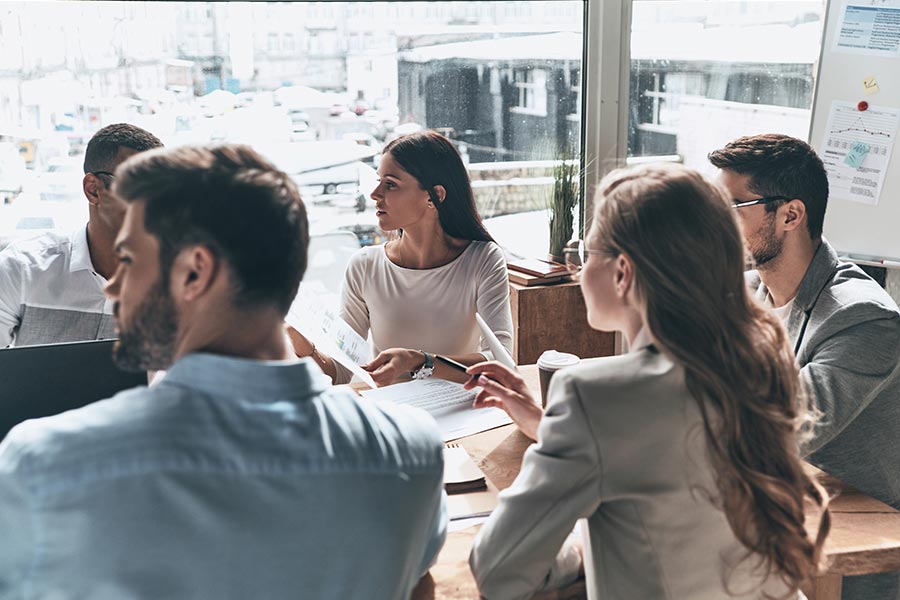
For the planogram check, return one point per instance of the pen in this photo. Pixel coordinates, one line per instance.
(456, 365)
(452, 363)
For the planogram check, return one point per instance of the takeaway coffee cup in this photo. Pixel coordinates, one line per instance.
(549, 363)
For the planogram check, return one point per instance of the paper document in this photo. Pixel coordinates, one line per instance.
(497, 349)
(472, 505)
(447, 402)
(871, 28)
(314, 313)
(857, 150)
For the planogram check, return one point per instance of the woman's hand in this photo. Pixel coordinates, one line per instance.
(394, 363)
(302, 346)
(503, 388)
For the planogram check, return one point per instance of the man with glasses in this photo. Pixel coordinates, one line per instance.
(844, 327)
(51, 286)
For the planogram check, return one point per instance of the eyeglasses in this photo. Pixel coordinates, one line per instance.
(743, 203)
(577, 255)
(104, 173)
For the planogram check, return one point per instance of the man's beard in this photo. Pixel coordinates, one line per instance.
(768, 246)
(148, 344)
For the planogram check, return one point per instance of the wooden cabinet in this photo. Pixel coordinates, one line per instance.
(552, 317)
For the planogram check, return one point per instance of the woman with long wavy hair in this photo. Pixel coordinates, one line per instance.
(682, 455)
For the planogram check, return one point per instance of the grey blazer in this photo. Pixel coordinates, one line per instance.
(845, 331)
(621, 446)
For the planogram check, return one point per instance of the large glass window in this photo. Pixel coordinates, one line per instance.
(703, 73)
(318, 87)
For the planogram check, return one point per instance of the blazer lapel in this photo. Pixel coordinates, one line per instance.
(818, 276)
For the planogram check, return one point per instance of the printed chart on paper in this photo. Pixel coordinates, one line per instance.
(857, 150)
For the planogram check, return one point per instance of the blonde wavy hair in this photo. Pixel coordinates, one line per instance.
(680, 233)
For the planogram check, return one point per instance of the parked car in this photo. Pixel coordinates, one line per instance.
(325, 167)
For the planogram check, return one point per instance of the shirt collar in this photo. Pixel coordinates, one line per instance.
(641, 340)
(219, 375)
(80, 259)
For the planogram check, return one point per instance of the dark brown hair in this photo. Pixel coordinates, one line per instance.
(433, 160)
(231, 200)
(680, 233)
(104, 145)
(779, 165)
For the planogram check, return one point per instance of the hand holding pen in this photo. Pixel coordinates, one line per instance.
(503, 388)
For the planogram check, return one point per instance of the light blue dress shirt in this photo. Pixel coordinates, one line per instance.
(231, 478)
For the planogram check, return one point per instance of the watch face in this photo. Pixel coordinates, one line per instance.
(423, 373)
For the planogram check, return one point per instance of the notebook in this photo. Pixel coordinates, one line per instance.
(461, 474)
(530, 280)
(469, 494)
(537, 267)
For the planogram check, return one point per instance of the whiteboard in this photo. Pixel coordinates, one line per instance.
(855, 223)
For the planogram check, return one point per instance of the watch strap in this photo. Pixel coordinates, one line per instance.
(426, 369)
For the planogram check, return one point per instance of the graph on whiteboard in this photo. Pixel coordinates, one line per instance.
(857, 150)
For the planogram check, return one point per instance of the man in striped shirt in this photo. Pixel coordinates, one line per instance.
(51, 286)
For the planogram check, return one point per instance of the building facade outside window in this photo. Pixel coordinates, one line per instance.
(317, 87)
(320, 87)
(701, 74)
(532, 87)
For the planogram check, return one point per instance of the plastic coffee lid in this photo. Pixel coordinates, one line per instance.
(552, 360)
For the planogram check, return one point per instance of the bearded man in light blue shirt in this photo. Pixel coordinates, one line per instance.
(242, 474)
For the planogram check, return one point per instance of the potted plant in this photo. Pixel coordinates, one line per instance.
(563, 199)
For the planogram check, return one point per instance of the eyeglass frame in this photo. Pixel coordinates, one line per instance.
(107, 173)
(581, 251)
(742, 203)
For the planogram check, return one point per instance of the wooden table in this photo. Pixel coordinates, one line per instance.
(864, 538)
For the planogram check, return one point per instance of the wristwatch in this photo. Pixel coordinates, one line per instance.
(425, 370)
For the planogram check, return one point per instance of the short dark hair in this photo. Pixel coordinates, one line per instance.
(779, 165)
(433, 160)
(231, 200)
(104, 145)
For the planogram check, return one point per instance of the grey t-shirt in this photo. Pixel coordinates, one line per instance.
(50, 293)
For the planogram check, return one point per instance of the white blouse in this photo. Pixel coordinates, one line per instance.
(428, 309)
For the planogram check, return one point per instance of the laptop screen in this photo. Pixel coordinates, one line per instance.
(38, 381)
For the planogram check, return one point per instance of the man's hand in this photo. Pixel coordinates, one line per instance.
(503, 388)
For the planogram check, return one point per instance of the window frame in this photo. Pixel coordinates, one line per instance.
(606, 74)
(532, 91)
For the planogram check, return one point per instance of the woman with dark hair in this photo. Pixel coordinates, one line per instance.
(418, 294)
(682, 456)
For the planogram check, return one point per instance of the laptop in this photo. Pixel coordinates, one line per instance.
(38, 381)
